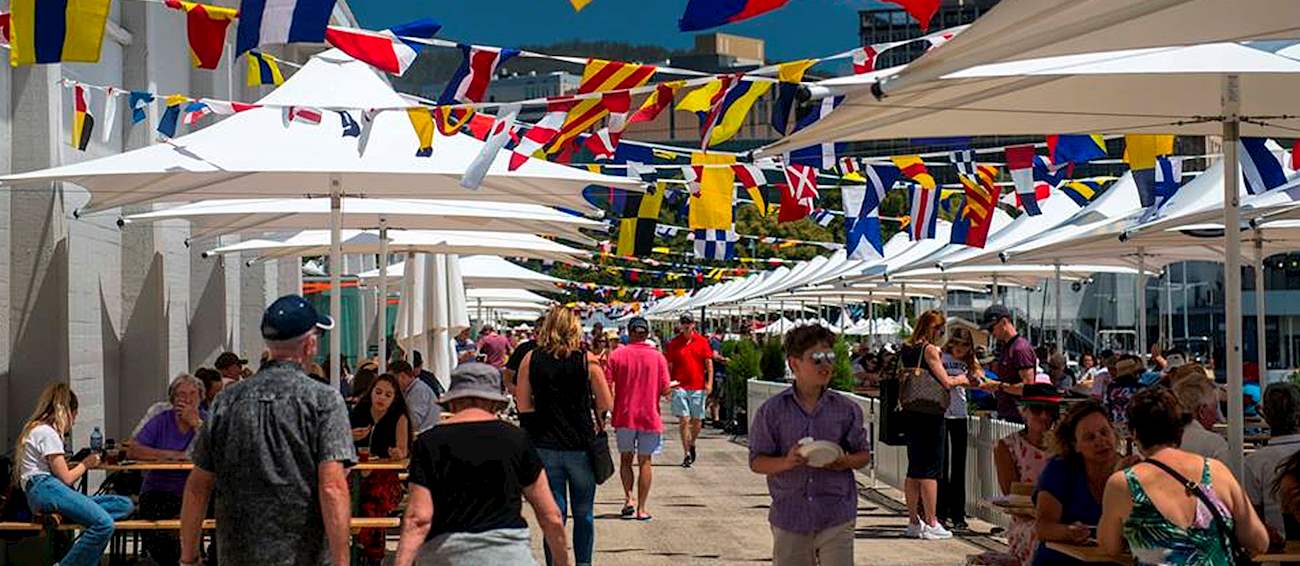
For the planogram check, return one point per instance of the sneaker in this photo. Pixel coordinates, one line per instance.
(692, 454)
(959, 525)
(913, 530)
(686, 462)
(936, 532)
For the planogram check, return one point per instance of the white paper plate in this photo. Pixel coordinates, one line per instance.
(820, 452)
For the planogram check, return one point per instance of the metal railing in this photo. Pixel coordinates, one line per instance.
(889, 463)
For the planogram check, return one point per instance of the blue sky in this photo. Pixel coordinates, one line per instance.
(803, 28)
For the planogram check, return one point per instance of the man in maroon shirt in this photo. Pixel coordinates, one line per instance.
(690, 363)
(494, 347)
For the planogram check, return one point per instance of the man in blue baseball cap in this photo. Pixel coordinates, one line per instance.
(276, 447)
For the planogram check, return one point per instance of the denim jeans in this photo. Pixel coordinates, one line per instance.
(46, 494)
(572, 482)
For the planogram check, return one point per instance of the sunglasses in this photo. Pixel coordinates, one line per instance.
(822, 358)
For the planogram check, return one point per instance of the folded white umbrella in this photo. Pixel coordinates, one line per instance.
(220, 217)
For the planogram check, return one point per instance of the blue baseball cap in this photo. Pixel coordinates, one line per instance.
(638, 323)
(292, 316)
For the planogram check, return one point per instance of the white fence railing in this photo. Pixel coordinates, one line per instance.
(889, 463)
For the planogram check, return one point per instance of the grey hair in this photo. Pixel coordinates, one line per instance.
(291, 344)
(1195, 392)
(183, 379)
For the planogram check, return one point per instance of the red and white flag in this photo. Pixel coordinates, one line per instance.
(803, 184)
(749, 175)
(603, 143)
(302, 114)
(542, 132)
(864, 59)
(227, 107)
(497, 137)
(384, 50)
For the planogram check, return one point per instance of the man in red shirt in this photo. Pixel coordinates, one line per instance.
(690, 362)
(640, 376)
(494, 347)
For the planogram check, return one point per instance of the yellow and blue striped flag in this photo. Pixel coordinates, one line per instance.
(263, 70)
(56, 31)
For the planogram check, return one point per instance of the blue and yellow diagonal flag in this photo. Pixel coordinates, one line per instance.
(56, 31)
(735, 108)
(263, 70)
(1084, 191)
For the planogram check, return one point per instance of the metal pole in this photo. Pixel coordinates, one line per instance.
(336, 279)
(945, 297)
(409, 300)
(1141, 290)
(1169, 307)
(1231, 98)
(871, 318)
(995, 288)
(843, 314)
(1261, 353)
(1060, 330)
(1187, 333)
(383, 295)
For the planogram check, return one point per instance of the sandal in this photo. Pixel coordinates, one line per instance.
(628, 512)
(645, 517)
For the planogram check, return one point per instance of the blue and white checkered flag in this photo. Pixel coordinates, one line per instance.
(715, 244)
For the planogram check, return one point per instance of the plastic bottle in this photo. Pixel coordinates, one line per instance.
(96, 440)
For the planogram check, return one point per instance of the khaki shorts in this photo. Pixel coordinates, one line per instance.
(828, 547)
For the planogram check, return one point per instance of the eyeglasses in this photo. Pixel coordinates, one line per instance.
(825, 357)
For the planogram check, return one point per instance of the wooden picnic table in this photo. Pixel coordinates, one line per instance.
(185, 466)
(1290, 553)
(1089, 553)
(1018, 505)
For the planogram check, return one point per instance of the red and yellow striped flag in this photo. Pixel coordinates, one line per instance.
(913, 168)
(599, 76)
(206, 26)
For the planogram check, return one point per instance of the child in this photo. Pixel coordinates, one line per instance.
(45, 477)
(813, 509)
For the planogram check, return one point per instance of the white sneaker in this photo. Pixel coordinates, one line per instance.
(914, 530)
(936, 532)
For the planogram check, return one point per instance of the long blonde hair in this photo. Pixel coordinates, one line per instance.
(56, 407)
(963, 335)
(560, 333)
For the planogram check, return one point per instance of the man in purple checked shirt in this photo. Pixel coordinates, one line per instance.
(813, 509)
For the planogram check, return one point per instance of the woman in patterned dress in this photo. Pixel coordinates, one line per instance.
(1020, 458)
(1163, 522)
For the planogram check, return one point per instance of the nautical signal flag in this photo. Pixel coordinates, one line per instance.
(497, 137)
(861, 224)
(392, 50)
(172, 115)
(1169, 178)
(541, 133)
(1049, 174)
(604, 143)
(1140, 151)
(880, 179)
(711, 207)
(970, 226)
(598, 76)
(718, 245)
(639, 219)
(799, 197)
(913, 168)
(470, 81)
(735, 107)
(83, 123)
(658, 100)
(706, 14)
(1075, 148)
(921, 10)
(1260, 167)
(56, 31)
(139, 103)
(422, 122)
(1020, 161)
(1084, 191)
(205, 26)
(864, 59)
(789, 76)
(752, 178)
(263, 70)
(924, 212)
(266, 22)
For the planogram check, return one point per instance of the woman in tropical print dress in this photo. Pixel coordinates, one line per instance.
(1020, 458)
(1153, 512)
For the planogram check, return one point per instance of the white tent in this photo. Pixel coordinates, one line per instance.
(497, 296)
(316, 242)
(220, 217)
(1055, 210)
(256, 153)
(483, 272)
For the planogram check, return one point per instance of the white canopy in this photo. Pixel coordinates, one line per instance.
(1021, 274)
(432, 309)
(220, 217)
(482, 272)
(1055, 209)
(1153, 90)
(490, 297)
(256, 154)
(316, 242)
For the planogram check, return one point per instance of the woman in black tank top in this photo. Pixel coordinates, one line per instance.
(560, 394)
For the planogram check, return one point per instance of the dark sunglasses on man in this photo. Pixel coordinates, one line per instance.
(825, 357)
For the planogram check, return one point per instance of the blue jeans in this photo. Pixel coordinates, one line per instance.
(572, 481)
(46, 494)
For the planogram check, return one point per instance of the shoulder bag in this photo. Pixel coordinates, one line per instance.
(921, 395)
(892, 423)
(1240, 557)
(602, 462)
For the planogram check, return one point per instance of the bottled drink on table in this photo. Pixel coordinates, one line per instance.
(96, 440)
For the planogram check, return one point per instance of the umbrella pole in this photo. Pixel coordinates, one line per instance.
(409, 301)
(1060, 333)
(336, 279)
(871, 319)
(1261, 353)
(383, 295)
(902, 302)
(1231, 98)
(945, 297)
(995, 288)
(1141, 290)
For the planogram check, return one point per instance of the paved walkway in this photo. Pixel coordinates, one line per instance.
(716, 513)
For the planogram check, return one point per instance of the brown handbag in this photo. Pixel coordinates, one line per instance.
(919, 394)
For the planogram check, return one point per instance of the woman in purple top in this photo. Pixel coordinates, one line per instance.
(167, 436)
(813, 509)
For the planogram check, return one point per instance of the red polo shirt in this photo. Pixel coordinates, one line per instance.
(686, 358)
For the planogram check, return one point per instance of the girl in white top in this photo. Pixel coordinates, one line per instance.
(45, 477)
(958, 361)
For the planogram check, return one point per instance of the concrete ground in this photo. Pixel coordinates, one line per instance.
(716, 513)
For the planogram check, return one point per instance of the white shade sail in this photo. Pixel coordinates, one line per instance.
(481, 272)
(221, 217)
(316, 242)
(256, 154)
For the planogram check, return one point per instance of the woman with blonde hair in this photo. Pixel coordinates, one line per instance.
(45, 477)
(563, 399)
(958, 360)
(923, 409)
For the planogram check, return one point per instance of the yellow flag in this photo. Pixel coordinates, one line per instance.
(700, 99)
(1141, 150)
(578, 5)
(711, 210)
(735, 109)
(422, 121)
(793, 71)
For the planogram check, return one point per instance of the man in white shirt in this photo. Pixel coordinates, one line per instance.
(1200, 400)
(1282, 411)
